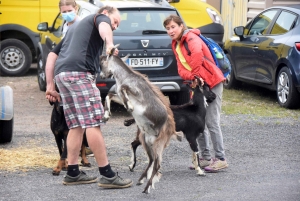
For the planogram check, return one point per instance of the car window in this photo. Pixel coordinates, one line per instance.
(83, 13)
(261, 23)
(57, 26)
(135, 22)
(282, 25)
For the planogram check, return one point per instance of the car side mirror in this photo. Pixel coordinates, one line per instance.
(239, 31)
(43, 26)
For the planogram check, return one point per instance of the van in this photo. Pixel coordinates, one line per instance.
(18, 32)
(200, 15)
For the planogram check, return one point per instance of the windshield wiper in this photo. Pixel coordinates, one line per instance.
(154, 32)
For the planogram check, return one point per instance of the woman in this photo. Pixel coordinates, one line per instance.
(198, 63)
(68, 10)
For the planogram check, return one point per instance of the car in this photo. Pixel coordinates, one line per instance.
(6, 114)
(141, 34)
(266, 53)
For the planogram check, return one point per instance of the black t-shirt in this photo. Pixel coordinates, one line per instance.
(82, 46)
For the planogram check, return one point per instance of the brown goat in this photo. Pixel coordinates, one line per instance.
(150, 109)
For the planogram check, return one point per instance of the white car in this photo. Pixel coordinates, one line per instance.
(6, 114)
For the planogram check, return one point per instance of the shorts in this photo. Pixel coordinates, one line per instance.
(81, 99)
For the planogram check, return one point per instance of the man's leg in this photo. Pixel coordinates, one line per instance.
(74, 176)
(109, 178)
(97, 144)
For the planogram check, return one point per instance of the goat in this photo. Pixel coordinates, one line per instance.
(60, 130)
(189, 118)
(150, 109)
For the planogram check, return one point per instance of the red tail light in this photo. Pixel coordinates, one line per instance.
(101, 85)
(297, 46)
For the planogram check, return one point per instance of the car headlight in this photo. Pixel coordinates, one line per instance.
(215, 17)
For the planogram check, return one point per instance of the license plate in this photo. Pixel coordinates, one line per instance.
(145, 62)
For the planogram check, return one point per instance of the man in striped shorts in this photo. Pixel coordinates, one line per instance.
(74, 73)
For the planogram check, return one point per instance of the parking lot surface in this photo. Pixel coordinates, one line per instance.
(262, 152)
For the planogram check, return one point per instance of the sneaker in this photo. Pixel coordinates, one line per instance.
(114, 182)
(203, 163)
(216, 165)
(82, 178)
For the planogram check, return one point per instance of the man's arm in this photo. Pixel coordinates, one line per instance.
(106, 34)
(51, 93)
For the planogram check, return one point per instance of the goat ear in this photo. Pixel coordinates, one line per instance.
(125, 58)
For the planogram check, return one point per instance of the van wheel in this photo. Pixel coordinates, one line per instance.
(6, 130)
(15, 57)
(41, 75)
(287, 94)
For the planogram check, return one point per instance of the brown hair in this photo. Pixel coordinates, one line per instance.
(176, 19)
(109, 9)
(67, 3)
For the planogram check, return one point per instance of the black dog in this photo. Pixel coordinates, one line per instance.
(60, 130)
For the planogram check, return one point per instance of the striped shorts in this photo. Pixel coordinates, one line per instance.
(81, 99)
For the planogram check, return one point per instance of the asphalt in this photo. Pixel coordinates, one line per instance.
(262, 152)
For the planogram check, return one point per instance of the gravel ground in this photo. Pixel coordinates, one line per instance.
(263, 157)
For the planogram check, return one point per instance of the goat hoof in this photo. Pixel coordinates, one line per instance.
(131, 169)
(201, 174)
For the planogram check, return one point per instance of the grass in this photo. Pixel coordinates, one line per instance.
(255, 101)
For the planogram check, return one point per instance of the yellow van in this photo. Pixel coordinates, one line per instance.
(200, 15)
(18, 32)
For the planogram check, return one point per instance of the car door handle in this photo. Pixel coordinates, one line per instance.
(255, 47)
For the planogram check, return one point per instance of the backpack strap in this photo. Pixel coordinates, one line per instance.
(189, 51)
(186, 46)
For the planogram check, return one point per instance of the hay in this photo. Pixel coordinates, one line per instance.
(24, 159)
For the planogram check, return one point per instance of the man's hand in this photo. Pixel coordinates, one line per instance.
(195, 82)
(53, 96)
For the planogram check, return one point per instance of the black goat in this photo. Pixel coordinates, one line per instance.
(189, 118)
(60, 130)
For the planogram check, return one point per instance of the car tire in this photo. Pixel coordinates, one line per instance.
(286, 92)
(231, 82)
(15, 57)
(179, 98)
(6, 130)
(41, 74)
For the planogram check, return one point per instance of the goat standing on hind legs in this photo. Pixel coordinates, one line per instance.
(189, 118)
(150, 109)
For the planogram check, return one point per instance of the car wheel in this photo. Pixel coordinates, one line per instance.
(231, 82)
(6, 130)
(41, 75)
(15, 57)
(287, 94)
(179, 98)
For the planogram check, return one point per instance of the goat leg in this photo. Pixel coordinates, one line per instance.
(134, 146)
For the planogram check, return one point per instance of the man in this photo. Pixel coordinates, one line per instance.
(75, 71)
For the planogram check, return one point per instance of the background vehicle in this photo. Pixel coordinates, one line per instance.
(140, 34)
(200, 15)
(19, 37)
(267, 53)
(6, 114)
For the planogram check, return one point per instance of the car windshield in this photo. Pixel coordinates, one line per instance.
(141, 22)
